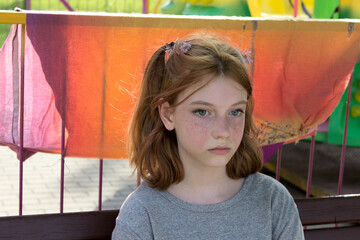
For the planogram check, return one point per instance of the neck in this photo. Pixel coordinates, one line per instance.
(211, 177)
(208, 186)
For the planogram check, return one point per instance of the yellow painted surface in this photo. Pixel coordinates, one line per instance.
(10, 17)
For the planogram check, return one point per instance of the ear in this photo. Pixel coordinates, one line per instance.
(166, 115)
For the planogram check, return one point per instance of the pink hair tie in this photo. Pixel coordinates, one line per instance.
(246, 55)
(170, 47)
(185, 47)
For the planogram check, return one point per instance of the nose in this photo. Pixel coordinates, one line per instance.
(221, 128)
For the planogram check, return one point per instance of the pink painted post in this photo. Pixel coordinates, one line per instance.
(342, 161)
(28, 4)
(21, 179)
(21, 172)
(278, 164)
(67, 5)
(22, 93)
(296, 5)
(62, 170)
(145, 6)
(310, 168)
(101, 163)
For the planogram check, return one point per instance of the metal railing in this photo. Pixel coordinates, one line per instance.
(20, 18)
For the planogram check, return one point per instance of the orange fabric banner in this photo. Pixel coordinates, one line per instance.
(90, 67)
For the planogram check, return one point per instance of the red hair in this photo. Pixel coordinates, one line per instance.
(152, 148)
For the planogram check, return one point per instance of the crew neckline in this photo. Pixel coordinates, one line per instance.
(210, 207)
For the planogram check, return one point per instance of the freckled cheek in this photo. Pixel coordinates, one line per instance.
(198, 131)
(237, 130)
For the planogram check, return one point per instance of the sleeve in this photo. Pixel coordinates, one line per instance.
(133, 222)
(124, 232)
(286, 220)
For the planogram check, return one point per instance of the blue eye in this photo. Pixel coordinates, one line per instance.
(201, 112)
(236, 112)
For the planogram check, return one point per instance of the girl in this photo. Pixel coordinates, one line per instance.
(192, 140)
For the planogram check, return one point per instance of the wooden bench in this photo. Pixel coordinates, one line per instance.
(342, 210)
(99, 225)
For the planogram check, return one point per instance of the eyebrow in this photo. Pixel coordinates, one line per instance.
(209, 104)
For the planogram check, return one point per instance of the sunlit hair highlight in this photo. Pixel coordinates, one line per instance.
(152, 149)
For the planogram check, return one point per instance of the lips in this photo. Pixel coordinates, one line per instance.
(219, 150)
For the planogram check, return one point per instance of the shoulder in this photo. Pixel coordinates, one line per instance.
(264, 183)
(272, 194)
(285, 220)
(138, 202)
(260, 178)
(134, 217)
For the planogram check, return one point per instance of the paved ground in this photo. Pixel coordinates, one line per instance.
(42, 184)
(325, 176)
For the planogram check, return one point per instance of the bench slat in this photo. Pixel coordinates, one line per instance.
(79, 225)
(334, 209)
(343, 233)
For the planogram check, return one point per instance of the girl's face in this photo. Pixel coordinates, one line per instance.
(209, 125)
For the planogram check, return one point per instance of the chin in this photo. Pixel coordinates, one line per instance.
(218, 162)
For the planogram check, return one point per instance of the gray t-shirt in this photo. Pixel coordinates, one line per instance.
(262, 209)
